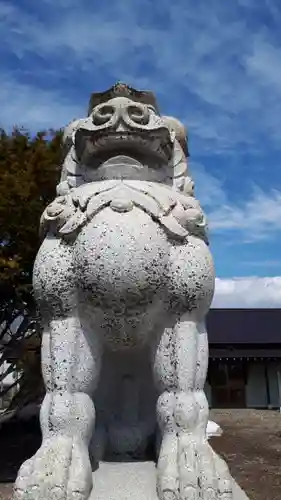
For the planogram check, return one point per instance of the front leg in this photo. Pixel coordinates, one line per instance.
(188, 469)
(61, 469)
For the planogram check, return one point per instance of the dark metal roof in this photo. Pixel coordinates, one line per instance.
(231, 352)
(240, 326)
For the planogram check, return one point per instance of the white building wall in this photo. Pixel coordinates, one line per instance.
(7, 381)
(10, 377)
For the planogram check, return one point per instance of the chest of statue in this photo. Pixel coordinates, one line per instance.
(121, 257)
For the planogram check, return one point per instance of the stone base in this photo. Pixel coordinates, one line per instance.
(132, 481)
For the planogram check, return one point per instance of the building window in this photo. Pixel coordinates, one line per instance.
(228, 383)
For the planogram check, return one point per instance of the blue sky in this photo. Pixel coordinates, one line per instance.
(216, 65)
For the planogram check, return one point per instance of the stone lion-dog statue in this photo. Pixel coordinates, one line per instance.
(124, 279)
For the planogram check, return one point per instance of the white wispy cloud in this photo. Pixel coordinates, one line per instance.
(208, 51)
(209, 64)
(251, 292)
(264, 63)
(209, 189)
(258, 218)
(32, 107)
(254, 219)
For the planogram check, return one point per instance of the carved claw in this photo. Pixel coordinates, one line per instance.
(200, 474)
(60, 470)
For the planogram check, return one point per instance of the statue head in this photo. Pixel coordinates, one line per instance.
(124, 136)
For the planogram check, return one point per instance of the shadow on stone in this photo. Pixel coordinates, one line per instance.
(19, 441)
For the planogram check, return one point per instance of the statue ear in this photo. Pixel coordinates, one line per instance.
(177, 128)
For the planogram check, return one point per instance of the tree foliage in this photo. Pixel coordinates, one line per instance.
(29, 172)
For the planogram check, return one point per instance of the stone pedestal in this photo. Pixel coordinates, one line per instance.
(133, 481)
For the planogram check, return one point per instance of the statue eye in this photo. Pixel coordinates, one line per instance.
(138, 114)
(102, 114)
(106, 110)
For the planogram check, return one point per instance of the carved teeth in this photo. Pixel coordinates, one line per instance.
(143, 141)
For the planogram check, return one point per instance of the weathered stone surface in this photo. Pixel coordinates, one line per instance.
(124, 278)
(133, 481)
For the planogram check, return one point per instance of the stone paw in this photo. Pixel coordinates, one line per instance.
(199, 474)
(60, 470)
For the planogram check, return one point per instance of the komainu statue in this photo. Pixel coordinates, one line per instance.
(124, 278)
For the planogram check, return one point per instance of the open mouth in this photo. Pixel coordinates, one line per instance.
(94, 148)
